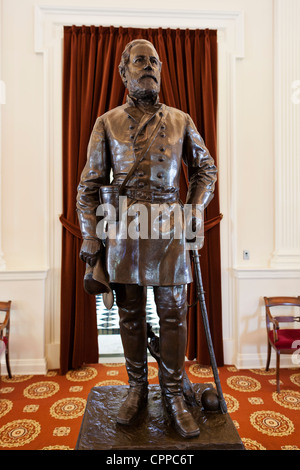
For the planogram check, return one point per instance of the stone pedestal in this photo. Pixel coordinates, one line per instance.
(152, 430)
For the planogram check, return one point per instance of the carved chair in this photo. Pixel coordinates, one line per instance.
(283, 340)
(4, 332)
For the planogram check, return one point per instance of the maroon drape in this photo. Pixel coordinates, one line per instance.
(91, 86)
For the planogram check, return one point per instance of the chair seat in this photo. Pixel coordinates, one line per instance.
(286, 338)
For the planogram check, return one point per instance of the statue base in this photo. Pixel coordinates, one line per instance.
(152, 430)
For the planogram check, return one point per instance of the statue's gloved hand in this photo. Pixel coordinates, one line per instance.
(195, 224)
(90, 250)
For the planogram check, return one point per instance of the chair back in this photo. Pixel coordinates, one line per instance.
(281, 302)
(5, 307)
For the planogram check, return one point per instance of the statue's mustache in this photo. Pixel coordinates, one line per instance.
(149, 76)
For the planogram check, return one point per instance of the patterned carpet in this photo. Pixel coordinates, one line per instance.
(45, 412)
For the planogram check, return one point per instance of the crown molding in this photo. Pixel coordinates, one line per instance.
(228, 22)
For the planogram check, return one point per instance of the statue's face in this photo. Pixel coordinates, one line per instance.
(143, 71)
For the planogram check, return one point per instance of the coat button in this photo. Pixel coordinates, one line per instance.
(141, 173)
(160, 175)
(161, 159)
(141, 184)
(162, 149)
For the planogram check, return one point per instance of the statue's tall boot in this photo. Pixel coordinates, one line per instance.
(171, 303)
(131, 300)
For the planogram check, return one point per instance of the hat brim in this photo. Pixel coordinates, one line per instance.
(96, 281)
(108, 299)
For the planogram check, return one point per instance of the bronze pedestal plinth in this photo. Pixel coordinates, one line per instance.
(152, 430)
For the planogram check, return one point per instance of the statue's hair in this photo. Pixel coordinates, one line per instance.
(126, 54)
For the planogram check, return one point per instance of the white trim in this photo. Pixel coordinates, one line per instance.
(258, 361)
(23, 275)
(2, 102)
(266, 273)
(142, 18)
(286, 132)
(25, 366)
(48, 35)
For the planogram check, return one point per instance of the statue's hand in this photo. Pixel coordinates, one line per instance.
(194, 224)
(90, 250)
(191, 238)
(195, 227)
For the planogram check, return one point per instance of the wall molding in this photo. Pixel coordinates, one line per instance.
(287, 137)
(231, 22)
(48, 41)
(258, 360)
(23, 275)
(269, 273)
(26, 366)
(2, 103)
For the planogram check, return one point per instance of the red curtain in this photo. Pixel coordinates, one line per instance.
(92, 86)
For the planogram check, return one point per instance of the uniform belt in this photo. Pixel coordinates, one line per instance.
(151, 196)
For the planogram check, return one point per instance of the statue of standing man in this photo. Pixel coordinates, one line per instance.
(156, 139)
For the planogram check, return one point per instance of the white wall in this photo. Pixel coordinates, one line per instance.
(250, 159)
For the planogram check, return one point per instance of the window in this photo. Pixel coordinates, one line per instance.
(108, 320)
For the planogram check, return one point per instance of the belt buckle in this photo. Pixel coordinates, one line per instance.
(142, 195)
(139, 194)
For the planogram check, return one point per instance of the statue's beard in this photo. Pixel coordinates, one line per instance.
(149, 96)
(142, 92)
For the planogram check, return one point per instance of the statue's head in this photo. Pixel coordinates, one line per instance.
(140, 69)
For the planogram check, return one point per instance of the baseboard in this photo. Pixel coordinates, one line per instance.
(25, 366)
(258, 361)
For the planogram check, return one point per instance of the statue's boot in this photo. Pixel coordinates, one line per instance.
(131, 300)
(171, 305)
(136, 400)
(179, 413)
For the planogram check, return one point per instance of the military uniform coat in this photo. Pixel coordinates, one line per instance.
(165, 137)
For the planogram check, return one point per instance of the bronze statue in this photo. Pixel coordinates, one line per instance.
(144, 143)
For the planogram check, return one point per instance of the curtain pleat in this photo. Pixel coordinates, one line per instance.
(92, 86)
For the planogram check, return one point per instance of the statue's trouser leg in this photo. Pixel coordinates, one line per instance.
(131, 301)
(171, 304)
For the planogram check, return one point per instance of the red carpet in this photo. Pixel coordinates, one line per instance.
(45, 412)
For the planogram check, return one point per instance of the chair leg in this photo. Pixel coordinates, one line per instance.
(268, 357)
(7, 362)
(277, 371)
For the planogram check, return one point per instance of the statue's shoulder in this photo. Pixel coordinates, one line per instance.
(109, 115)
(112, 113)
(176, 113)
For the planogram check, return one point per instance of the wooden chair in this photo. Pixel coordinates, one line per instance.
(283, 340)
(4, 332)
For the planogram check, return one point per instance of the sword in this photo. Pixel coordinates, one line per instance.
(201, 299)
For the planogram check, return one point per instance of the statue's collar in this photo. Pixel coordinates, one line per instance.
(136, 111)
(133, 101)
